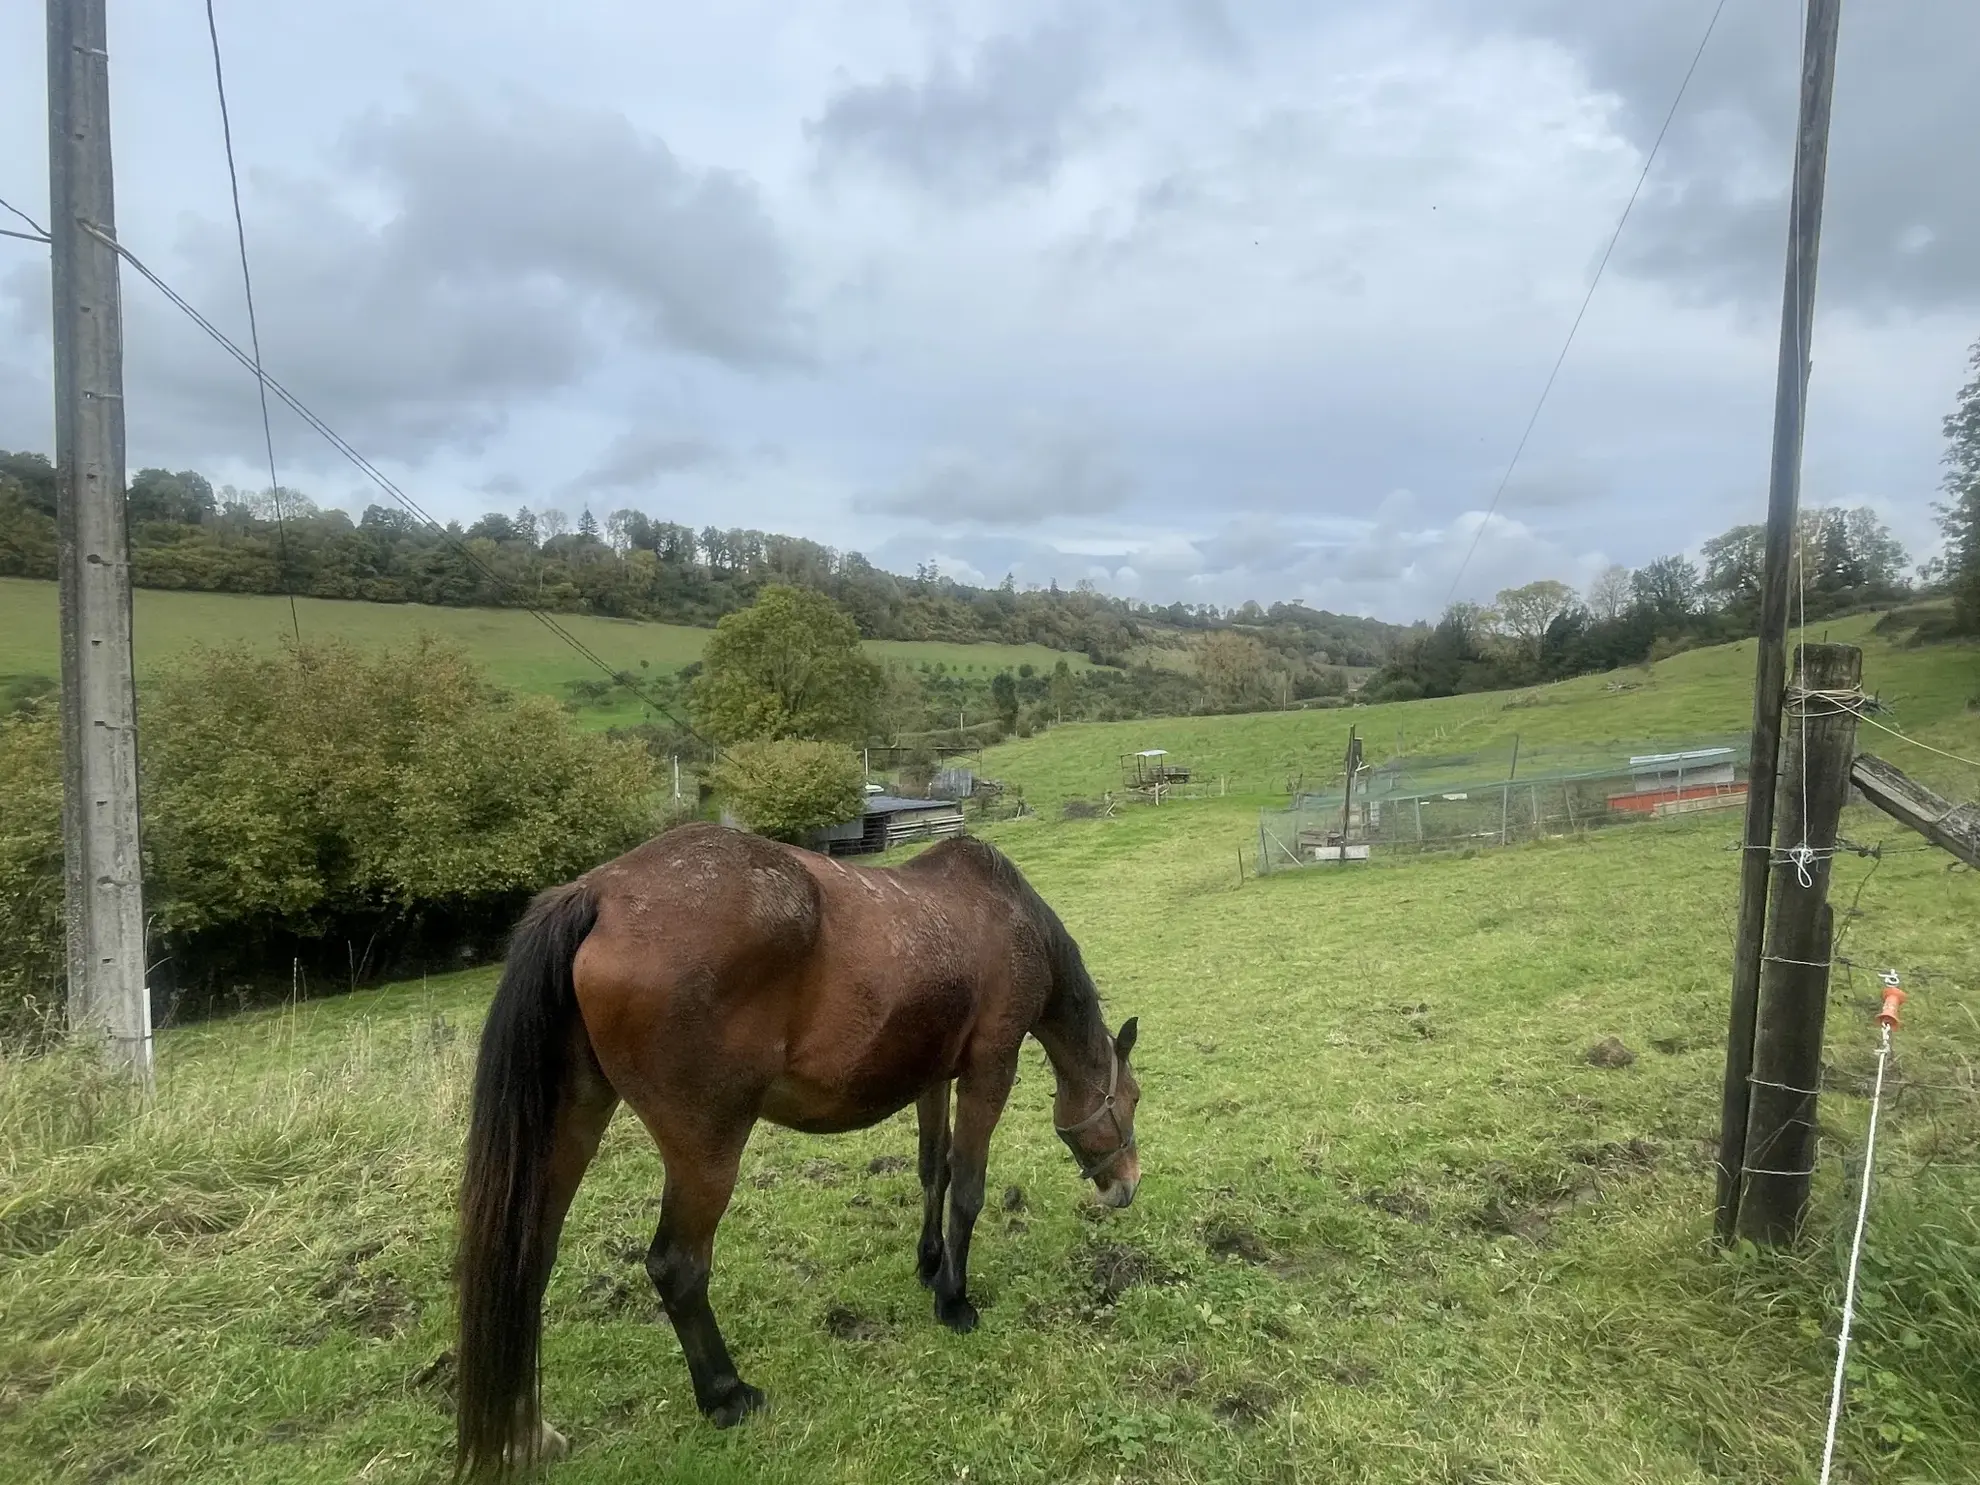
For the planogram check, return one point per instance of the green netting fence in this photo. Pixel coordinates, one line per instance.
(1495, 798)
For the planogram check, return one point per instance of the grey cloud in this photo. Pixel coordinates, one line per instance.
(636, 457)
(1556, 484)
(581, 195)
(516, 244)
(1901, 228)
(1008, 118)
(1046, 471)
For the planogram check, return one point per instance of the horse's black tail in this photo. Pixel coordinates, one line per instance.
(519, 1084)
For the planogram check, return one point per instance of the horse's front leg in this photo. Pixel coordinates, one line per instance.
(980, 1095)
(932, 1113)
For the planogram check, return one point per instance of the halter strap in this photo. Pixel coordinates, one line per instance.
(1124, 1139)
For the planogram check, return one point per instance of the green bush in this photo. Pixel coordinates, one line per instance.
(293, 792)
(31, 933)
(786, 790)
(789, 666)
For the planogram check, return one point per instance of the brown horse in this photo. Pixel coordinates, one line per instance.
(711, 979)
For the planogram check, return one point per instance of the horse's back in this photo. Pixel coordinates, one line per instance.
(844, 990)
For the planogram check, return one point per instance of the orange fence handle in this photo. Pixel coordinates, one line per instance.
(1893, 998)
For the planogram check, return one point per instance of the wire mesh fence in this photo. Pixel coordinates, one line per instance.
(1452, 801)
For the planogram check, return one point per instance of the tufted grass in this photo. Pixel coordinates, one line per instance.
(1394, 1226)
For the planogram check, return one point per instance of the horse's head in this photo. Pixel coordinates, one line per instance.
(1097, 1124)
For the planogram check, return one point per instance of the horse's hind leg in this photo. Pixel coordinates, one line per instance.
(932, 1112)
(700, 1179)
(587, 1110)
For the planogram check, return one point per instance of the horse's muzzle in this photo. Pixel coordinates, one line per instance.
(1116, 1194)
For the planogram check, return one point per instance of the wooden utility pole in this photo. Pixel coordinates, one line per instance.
(1794, 974)
(1811, 153)
(102, 866)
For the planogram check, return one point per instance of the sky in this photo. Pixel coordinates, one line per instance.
(1194, 299)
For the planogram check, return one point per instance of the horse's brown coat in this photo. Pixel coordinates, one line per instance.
(710, 979)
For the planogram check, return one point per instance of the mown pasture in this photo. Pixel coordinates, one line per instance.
(516, 649)
(1395, 1225)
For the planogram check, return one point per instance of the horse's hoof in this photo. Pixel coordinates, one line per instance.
(736, 1404)
(958, 1314)
(551, 1446)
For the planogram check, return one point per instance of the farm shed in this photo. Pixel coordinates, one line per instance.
(1678, 783)
(888, 820)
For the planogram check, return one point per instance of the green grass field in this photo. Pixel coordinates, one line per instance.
(518, 650)
(1706, 692)
(1394, 1227)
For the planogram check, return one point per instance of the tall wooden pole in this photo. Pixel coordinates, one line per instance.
(1794, 972)
(103, 874)
(1811, 153)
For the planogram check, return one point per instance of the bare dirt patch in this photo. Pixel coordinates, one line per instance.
(1228, 1239)
(1250, 1402)
(1117, 1268)
(1609, 1052)
(1399, 1201)
(845, 1324)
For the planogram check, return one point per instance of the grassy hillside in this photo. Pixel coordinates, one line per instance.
(1700, 693)
(517, 649)
(1394, 1226)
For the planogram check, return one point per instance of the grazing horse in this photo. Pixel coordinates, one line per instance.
(711, 979)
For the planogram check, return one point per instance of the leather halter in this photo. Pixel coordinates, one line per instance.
(1124, 1139)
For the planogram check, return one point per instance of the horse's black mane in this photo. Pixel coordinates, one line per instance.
(1069, 974)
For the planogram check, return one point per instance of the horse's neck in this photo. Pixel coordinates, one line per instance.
(1076, 1041)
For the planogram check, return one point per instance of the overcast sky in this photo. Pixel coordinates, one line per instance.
(1201, 300)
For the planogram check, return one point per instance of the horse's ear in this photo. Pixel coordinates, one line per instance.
(1124, 1043)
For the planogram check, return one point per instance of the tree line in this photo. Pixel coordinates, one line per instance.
(185, 534)
(1845, 560)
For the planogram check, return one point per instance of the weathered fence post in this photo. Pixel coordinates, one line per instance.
(1819, 722)
(1811, 154)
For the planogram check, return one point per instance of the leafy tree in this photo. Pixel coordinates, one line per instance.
(1526, 612)
(296, 793)
(786, 789)
(789, 666)
(1879, 556)
(1064, 690)
(1233, 665)
(158, 495)
(1004, 696)
(32, 940)
(1609, 594)
(1959, 517)
(1733, 565)
(1668, 589)
(587, 526)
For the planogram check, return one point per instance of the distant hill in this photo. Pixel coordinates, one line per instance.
(187, 536)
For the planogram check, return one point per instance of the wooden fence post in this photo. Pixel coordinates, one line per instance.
(1819, 725)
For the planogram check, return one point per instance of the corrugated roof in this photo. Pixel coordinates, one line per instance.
(889, 804)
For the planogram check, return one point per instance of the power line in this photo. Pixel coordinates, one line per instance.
(254, 328)
(1593, 283)
(378, 476)
(40, 232)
